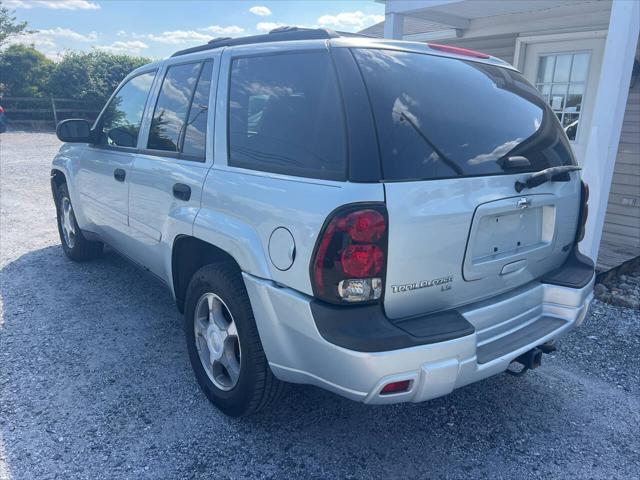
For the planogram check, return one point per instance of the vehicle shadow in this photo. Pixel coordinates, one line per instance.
(95, 378)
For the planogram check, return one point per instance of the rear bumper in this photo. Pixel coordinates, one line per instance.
(489, 335)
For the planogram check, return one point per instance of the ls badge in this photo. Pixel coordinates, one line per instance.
(443, 282)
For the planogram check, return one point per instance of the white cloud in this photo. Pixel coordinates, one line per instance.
(351, 21)
(129, 47)
(53, 4)
(268, 26)
(53, 55)
(47, 38)
(67, 33)
(260, 11)
(176, 37)
(218, 30)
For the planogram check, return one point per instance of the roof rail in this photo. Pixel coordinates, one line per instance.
(280, 34)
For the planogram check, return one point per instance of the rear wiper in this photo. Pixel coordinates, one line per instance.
(544, 176)
(453, 165)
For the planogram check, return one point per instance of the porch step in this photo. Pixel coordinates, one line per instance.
(518, 339)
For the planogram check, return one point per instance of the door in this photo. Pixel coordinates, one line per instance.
(169, 171)
(455, 135)
(105, 167)
(566, 73)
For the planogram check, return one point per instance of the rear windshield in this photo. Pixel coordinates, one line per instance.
(440, 117)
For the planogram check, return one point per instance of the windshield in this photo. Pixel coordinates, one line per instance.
(439, 117)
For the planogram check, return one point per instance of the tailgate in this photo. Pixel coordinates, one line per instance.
(456, 241)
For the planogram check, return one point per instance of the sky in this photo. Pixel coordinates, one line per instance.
(157, 28)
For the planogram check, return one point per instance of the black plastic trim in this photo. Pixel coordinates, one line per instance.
(364, 153)
(367, 328)
(576, 272)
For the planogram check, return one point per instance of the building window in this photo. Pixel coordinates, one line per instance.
(561, 80)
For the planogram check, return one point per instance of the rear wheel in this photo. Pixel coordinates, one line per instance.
(74, 244)
(223, 342)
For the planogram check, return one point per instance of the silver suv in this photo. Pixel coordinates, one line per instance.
(386, 220)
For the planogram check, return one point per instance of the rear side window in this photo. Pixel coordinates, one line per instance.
(195, 132)
(120, 123)
(439, 117)
(285, 116)
(179, 122)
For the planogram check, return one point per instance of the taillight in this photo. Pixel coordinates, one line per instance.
(1, 110)
(458, 51)
(350, 257)
(584, 212)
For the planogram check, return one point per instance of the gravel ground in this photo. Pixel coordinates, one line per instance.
(621, 286)
(95, 382)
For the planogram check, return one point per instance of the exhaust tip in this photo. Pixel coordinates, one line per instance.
(529, 360)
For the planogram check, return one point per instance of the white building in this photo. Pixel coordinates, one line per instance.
(583, 55)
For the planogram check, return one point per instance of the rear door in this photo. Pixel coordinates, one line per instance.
(170, 168)
(458, 230)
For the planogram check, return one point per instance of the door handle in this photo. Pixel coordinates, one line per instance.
(119, 174)
(182, 191)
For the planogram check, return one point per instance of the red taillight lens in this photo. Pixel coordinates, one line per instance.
(1, 110)
(458, 51)
(584, 213)
(366, 226)
(362, 260)
(395, 387)
(350, 257)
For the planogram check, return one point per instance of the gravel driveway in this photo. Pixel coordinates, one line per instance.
(95, 383)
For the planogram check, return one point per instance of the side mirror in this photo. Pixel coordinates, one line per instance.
(74, 130)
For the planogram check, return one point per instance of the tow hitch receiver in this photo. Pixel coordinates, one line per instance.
(529, 360)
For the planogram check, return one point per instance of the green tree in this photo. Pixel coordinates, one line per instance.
(24, 71)
(91, 75)
(9, 27)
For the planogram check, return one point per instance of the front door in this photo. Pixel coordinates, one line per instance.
(105, 167)
(567, 74)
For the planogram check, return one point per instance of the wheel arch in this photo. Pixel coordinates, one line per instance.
(189, 254)
(57, 178)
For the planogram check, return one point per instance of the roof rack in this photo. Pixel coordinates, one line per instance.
(280, 34)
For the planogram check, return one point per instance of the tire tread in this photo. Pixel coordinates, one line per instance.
(267, 389)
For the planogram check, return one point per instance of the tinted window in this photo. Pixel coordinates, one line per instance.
(123, 116)
(285, 116)
(196, 131)
(172, 107)
(440, 117)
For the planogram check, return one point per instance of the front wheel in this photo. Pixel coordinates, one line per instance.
(74, 244)
(224, 345)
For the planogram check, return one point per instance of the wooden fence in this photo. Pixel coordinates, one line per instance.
(42, 113)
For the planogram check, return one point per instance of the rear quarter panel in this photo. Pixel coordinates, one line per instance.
(241, 209)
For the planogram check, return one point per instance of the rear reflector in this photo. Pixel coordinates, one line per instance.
(458, 51)
(396, 387)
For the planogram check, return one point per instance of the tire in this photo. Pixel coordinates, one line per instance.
(75, 245)
(255, 385)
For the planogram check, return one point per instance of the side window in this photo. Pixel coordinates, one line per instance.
(172, 107)
(121, 120)
(285, 116)
(195, 135)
